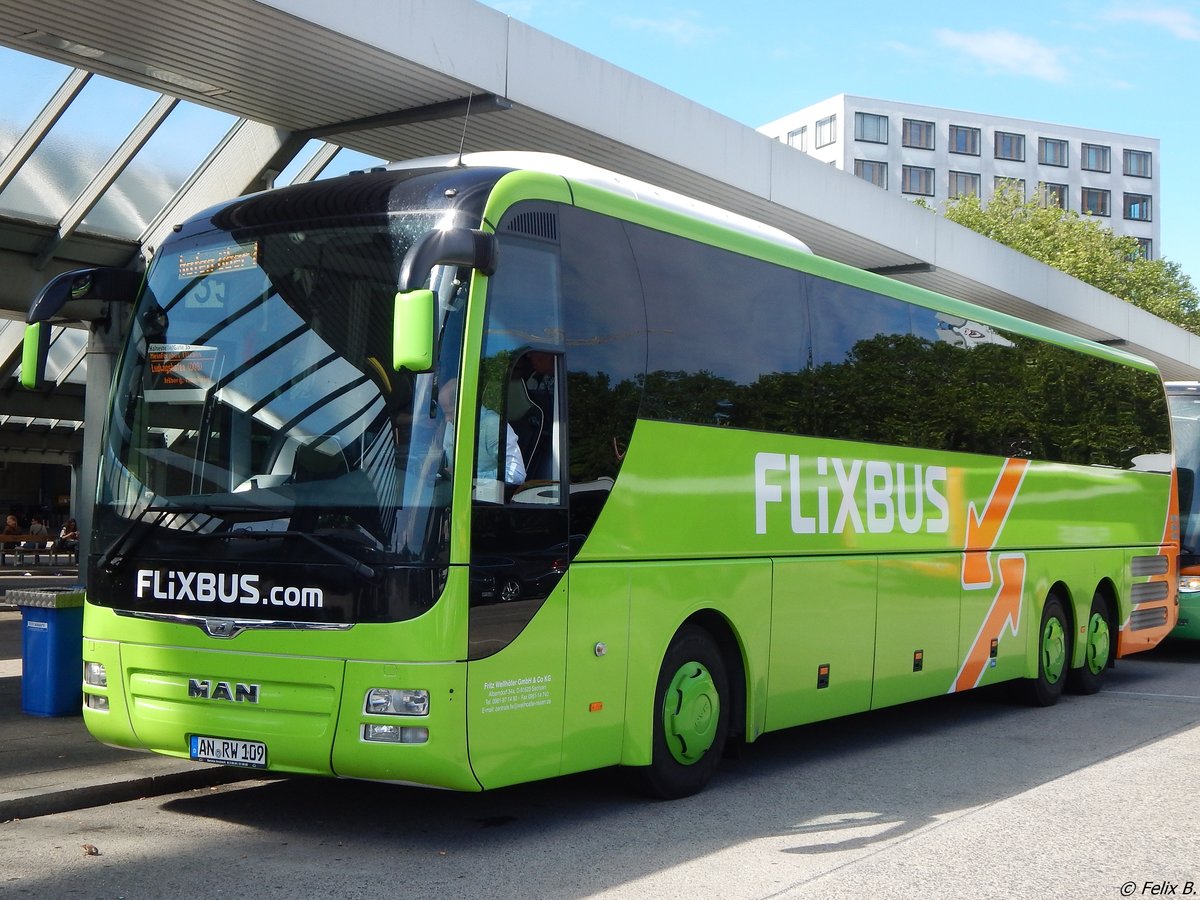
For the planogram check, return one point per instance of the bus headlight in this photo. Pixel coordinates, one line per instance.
(96, 701)
(1189, 584)
(394, 734)
(396, 702)
(94, 674)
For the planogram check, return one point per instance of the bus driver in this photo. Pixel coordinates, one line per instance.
(487, 452)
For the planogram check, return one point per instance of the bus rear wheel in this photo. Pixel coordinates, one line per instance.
(1097, 649)
(1054, 655)
(691, 716)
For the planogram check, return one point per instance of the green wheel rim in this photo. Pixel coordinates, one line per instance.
(1054, 650)
(690, 712)
(1096, 648)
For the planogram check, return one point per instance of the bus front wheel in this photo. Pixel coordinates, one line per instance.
(1097, 649)
(1054, 655)
(691, 716)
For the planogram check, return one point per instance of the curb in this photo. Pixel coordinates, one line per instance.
(121, 791)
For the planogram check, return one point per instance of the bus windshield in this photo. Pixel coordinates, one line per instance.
(256, 400)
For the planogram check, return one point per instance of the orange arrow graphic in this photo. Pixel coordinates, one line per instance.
(1005, 610)
(984, 531)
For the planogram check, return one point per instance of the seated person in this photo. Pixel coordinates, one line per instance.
(488, 451)
(37, 528)
(11, 526)
(68, 536)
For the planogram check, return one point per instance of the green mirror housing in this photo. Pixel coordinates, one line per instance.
(33, 355)
(412, 330)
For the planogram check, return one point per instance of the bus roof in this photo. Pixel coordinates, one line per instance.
(594, 176)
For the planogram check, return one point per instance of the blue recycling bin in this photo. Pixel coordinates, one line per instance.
(51, 652)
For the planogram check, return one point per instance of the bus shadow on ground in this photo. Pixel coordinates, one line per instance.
(846, 784)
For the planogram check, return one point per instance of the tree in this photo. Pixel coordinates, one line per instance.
(1082, 247)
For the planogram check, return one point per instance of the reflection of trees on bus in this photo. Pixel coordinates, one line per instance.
(1025, 399)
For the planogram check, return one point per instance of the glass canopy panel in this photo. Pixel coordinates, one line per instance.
(179, 145)
(77, 147)
(299, 161)
(65, 346)
(347, 160)
(29, 82)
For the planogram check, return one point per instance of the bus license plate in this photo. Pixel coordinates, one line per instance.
(229, 752)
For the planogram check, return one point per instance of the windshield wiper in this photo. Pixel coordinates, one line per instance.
(354, 565)
(115, 554)
(118, 551)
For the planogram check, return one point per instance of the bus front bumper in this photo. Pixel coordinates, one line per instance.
(282, 714)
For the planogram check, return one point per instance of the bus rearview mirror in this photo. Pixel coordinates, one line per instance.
(81, 294)
(412, 330)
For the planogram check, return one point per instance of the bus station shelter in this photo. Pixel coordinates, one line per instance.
(120, 119)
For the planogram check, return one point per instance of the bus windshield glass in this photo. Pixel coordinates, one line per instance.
(256, 399)
(1185, 423)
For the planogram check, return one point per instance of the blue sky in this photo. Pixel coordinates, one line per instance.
(1130, 68)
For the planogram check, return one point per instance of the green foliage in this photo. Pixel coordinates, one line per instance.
(1084, 248)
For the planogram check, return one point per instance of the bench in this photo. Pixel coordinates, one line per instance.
(39, 545)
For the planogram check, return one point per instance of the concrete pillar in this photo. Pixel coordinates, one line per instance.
(104, 343)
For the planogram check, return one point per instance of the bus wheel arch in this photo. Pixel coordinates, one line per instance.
(1097, 640)
(693, 709)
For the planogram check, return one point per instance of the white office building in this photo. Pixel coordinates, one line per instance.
(937, 154)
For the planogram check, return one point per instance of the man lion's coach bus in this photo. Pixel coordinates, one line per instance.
(468, 475)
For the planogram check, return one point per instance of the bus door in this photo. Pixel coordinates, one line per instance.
(517, 618)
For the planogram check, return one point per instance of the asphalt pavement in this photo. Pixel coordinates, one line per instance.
(51, 764)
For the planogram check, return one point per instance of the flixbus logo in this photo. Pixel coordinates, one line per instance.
(222, 587)
(830, 495)
(204, 689)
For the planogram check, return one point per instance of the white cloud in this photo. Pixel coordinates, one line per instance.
(680, 30)
(1179, 22)
(908, 50)
(1004, 51)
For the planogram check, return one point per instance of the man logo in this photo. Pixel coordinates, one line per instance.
(203, 689)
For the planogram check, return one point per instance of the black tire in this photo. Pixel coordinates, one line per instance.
(691, 716)
(1054, 655)
(1097, 649)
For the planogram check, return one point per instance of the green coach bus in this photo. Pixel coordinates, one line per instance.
(474, 471)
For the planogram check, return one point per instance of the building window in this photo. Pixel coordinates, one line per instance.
(826, 131)
(1146, 247)
(1051, 194)
(1052, 152)
(1137, 207)
(964, 184)
(799, 138)
(1010, 146)
(870, 127)
(1095, 158)
(1094, 201)
(1139, 163)
(917, 180)
(964, 140)
(918, 133)
(1002, 185)
(872, 171)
